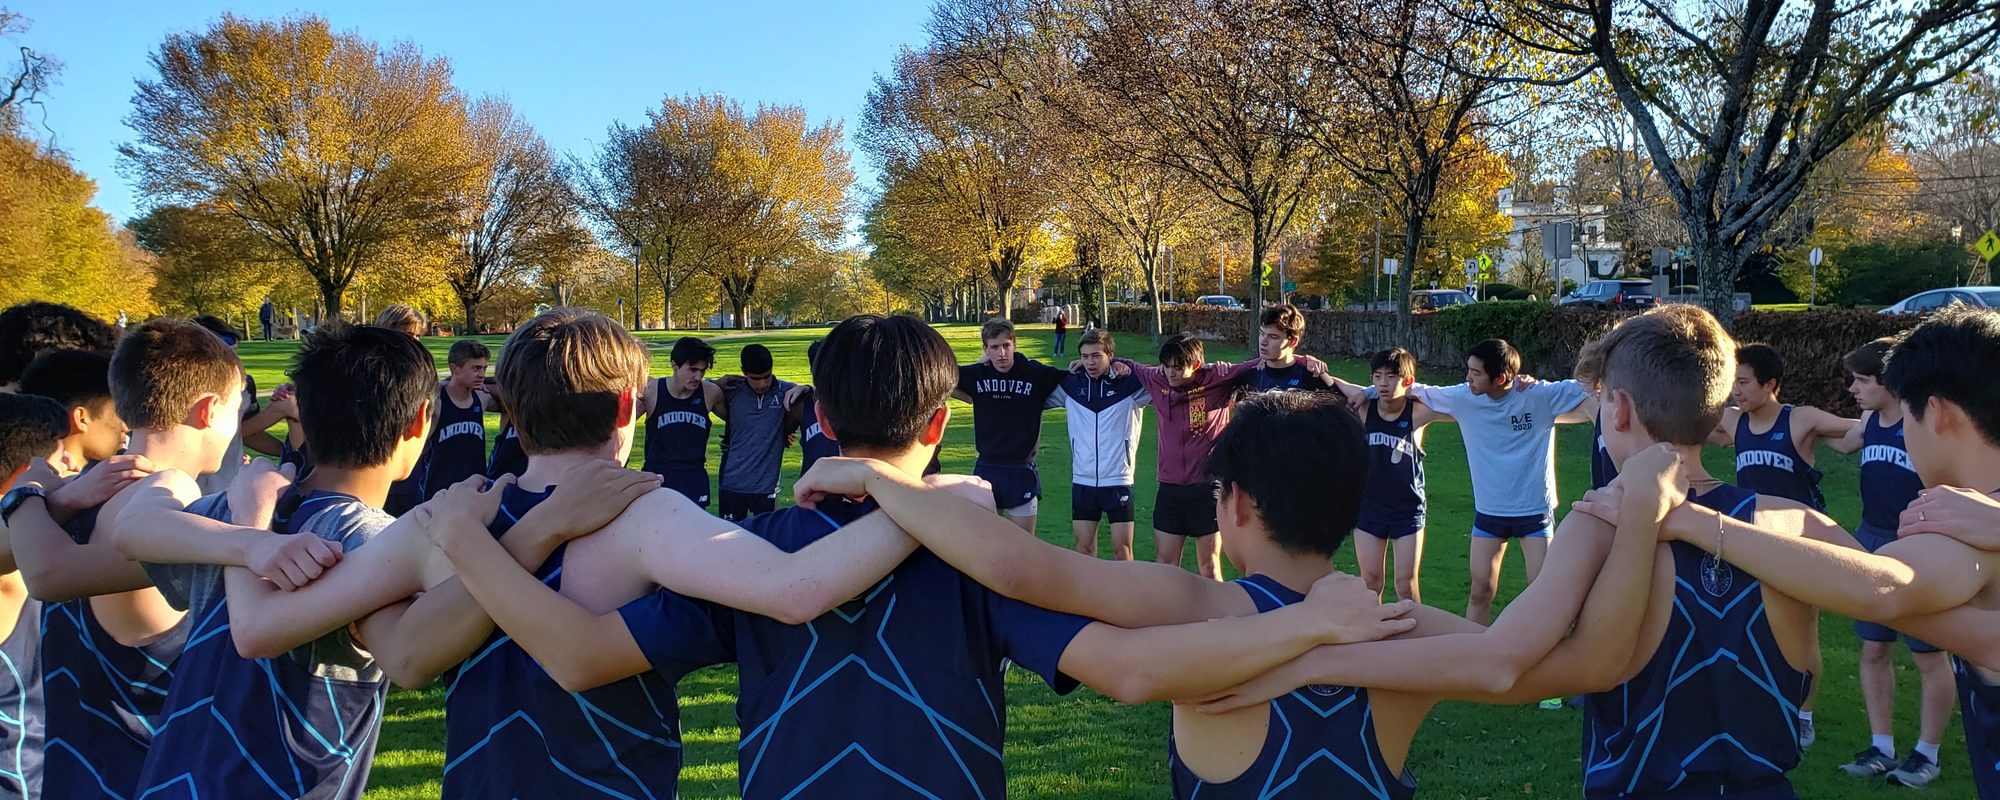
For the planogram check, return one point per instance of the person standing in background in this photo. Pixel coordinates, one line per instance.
(1062, 330)
(266, 314)
(753, 438)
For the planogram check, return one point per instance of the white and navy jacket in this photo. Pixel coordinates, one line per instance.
(1104, 418)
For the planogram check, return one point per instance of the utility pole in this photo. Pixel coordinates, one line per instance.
(1375, 269)
(635, 286)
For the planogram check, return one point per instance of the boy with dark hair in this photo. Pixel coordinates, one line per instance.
(1889, 483)
(1008, 393)
(1702, 701)
(31, 428)
(1774, 441)
(30, 329)
(1105, 414)
(1192, 401)
(1284, 514)
(81, 381)
(114, 636)
(1509, 430)
(457, 447)
(572, 381)
(814, 444)
(753, 438)
(1392, 509)
(677, 409)
(930, 729)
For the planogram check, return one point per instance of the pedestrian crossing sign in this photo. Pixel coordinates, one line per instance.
(1988, 246)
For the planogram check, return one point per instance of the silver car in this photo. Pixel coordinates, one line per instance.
(1936, 299)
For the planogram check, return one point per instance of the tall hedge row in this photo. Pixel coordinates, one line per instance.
(1548, 337)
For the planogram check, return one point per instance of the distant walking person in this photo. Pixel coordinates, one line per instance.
(266, 314)
(1062, 330)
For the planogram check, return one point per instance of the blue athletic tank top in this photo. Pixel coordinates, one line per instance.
(1769, 463)
(1715, 712)
(302, 725)
(1889, 481)
(813, 443)
(21, 718)
(1395, 464)
(103, 700)
(1602, 469)
(458, 446)
(677, 432)
(511, 730)
(508, 457)
(1979, 704)
(1320, 742)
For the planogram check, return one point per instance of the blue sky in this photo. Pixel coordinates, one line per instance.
(570, 68)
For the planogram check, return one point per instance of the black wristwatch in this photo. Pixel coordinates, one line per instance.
(16, 497)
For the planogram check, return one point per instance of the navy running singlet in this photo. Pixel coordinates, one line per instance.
(899, 693)
(1889, 482)
(677, 433)
(1769, 463)
(1320, 742)
(458, 446)
(21, 717)
(1979, 704)
(1395, 465)
(103, 700)
(302, 725)
(1283, 379)
(508, 458)
(1602, 469)
(511, 731)
(813, 443)
(1715, 712)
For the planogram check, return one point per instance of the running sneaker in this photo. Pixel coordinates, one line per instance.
(1807, 736)
(1552, 704)
(1869, 763)
(1917, 770)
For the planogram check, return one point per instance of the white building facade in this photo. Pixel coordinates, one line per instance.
(1592, 254)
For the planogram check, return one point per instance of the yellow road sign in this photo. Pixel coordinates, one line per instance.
(1485, 262)
(1988, 245)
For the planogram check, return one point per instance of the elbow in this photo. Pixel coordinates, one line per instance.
(253, 641)
(405, 674)
(1494, 681)
(801, 607)
(578, 675)
(1984, 650)
(1131, 684)
(405, 668)
(1500, 674)
(799, 612)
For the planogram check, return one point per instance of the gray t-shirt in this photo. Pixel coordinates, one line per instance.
(199, 588)
(753, 441)
(1509, 443)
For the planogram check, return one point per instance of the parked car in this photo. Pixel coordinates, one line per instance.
(1619, 294)
(1935, 299)
(1430, 301)
(1218, 301)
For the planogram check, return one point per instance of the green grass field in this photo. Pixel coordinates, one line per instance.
(1085, 746)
